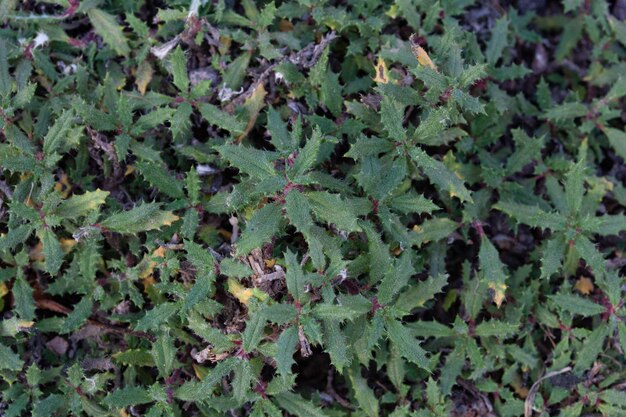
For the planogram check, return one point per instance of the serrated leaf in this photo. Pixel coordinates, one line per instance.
(155, 317)
(83, 204)
(591, 348)
(298, 211)
(144, 217)
(200, 257)
(78, 316)
(336, 345)
(532, 215)
(333, 209)
(251, 161)
(406, 343)
(577, 305)
(253, 333)
(294, 277)
(335, 312)
(164, 354)
(552, 257)
(24, 303)
(52, 251)
(395, 279)
(493, 269)
(439, 175)
(215, 116)
(496, 328)
(307, 157)
(106, 26)
(617, 139)
(408, 203)
(363, 393)
(498, 40)
(286, 347)
(159, 178)
(127, 396)
(135, 357)
(242, 379)
(199, 291)
(392, 116)
(179, 70)
(58, 133)
(298, 406)
(416, 296)
(260, 229)
(9, 359)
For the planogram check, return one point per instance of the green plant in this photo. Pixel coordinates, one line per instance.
(312, 208)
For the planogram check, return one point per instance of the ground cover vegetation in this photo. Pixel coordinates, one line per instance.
(312, 208)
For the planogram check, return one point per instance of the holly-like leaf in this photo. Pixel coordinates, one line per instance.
(144, 217)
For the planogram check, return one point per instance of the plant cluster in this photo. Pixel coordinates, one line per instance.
(405, 208)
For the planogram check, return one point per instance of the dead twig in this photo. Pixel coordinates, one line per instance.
(305, 58)
(530, 399)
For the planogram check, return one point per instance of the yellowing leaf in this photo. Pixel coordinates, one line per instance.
(422, 56)
(143, 76)
(82, 204)
(3, 289)
(253, 106)
(67, 244)
(240, 292)
(584, 285)
(498, 292)
(63, 186)
(382, 75)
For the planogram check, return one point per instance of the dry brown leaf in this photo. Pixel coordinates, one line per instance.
(584, 285)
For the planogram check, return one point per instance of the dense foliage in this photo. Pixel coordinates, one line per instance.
(312, 208)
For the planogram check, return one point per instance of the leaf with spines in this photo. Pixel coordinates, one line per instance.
(286, 347)
(164, 354)
(336, 345)
(242, 379)
(552, 258)
(253, 333)
(577, 305)
(179, 70)
(215, 116)
(82, 204)
(493, 270)
(363, 393)
(52, 251)
(254, 162)
(294, 277)
(498, 40)
(105, 25)
(262, 226)
(617, 139)
(333, 209)
(82, 311)
(591, 349)
(24, 302)
(56, 136)
(9, 359)
(307, 157)
(158, 177)
(127, 396)
(298, 406)
(496, 328)
(403, 339)
(391, 116)
(440, 175)
(532, 215)
(144, 217)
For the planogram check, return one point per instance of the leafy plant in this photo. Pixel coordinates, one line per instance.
(302, 208)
